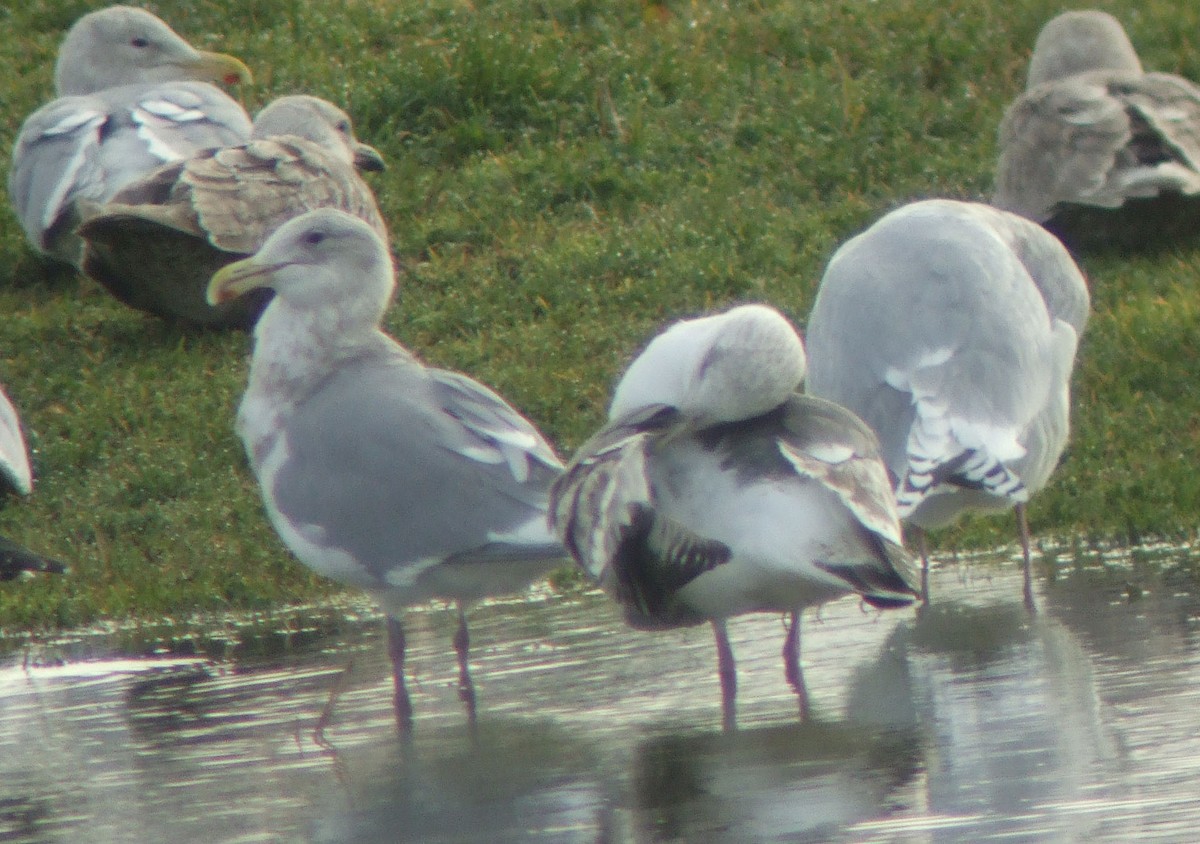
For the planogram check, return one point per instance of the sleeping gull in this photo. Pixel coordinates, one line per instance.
(951, 329)
(716, 489)
(410, 482)
(156, 245)
(16, 476)
(1095, 149)
(132, 95)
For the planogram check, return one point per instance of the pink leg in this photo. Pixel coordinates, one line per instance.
(923, 548)
(727, 673)
(791, 663)
(462, 646)
(404, 712)
(1026, 561)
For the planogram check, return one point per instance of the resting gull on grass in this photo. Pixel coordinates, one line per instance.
(410, 482)
(16, 476)
(716, 489)
(951, 328)
(157, 243)
(1096, 149)
(132, 95)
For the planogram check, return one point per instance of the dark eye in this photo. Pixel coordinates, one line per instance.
(343, 127)
(313, 238)
(140, 42)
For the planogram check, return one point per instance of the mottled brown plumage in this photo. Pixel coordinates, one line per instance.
(157, 244)
(1097, 150)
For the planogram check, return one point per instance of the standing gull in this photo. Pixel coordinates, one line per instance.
(951, 329)
(1096, 149)
(156, 245)
(16, 476)
(410, 482)
(716, 489)
(132, 95)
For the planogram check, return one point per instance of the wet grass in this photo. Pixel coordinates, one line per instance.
(564, 177)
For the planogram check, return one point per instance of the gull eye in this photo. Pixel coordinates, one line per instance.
(313, 238)
(343, 127)
(140, 42)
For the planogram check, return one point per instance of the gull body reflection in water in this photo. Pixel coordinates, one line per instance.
(971, 720)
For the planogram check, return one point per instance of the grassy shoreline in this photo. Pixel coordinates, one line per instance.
(565, 177)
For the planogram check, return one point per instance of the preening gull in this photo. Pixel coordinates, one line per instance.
(1096, 149)
(132, 96)
(157, 243)
(717, 489)
(951, 328)
(16, 476)
(410, 482)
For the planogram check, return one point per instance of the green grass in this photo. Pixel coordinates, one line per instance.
(565, 176)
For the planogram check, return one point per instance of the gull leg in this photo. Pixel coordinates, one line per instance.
(462, 647)
(923, 547)
(1026, 561)
(404, 712)
(727, 673)
(791, 663)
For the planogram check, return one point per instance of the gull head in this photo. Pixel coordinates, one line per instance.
(1080, 42)
(320, 122)
(721, 368)
(324, 263)
(122, 45)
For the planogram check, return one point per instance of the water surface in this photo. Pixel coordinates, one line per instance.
(971, 720)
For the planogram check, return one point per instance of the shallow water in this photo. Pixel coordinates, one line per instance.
(970, 721)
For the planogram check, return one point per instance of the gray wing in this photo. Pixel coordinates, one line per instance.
(90, 147)
(1098, 139)
(381, 461)
(595, 502)
(831, 445)
(53, 162)
(824, 441)
(605, 510)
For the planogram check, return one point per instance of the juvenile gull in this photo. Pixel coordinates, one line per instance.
(951, 329)
(132, 95)
(1096, 149)
(156, 245)
(716, 489)
(16, 476)
(410, 482)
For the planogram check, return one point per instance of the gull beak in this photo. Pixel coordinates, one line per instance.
(368, 159)
(218, 67)
(237, 278)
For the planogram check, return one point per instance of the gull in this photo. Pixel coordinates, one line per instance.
(410, 482)
(157, 243)
(16, 476)
(951, 329)
(716, 489)
(1096, 149)
(132, 95)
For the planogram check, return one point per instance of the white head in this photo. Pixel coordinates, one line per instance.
(326, 264)
(721, 368)
(122, 45)
(1078, 42)
(319, 121)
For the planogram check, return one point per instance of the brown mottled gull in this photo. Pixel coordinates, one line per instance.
(1096, 149)
(158, 242)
